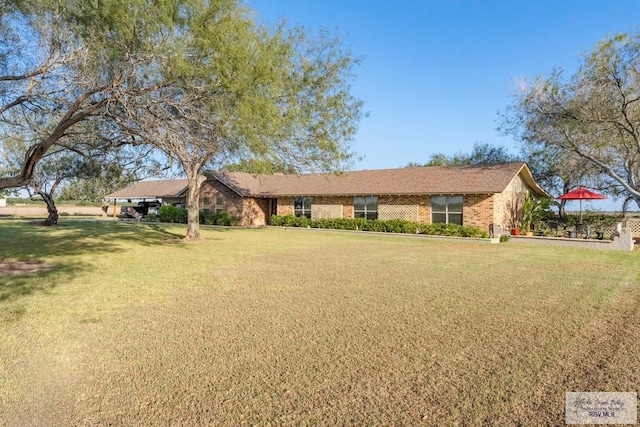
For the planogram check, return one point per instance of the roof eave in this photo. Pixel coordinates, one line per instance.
(531, 182)
(383, 193)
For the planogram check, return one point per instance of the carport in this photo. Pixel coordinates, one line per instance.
(166, 192)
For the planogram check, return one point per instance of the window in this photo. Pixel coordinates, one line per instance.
(302, 206)
(446, 209)
(365, 207)
(205, 201)
(219, 204)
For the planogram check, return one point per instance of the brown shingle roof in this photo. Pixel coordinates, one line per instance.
(468, 179)
(151, 190)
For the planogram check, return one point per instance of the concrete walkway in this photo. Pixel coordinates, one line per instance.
(623, 242)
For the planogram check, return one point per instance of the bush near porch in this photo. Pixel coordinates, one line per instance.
(178, 215)
(388, 226)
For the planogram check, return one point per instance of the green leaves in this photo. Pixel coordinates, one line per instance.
(380, 226)
(481, 154)
(197, 79)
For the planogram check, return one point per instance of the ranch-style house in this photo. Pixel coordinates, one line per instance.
(487, 196)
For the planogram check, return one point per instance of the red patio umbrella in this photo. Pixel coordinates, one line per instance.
(581, 194)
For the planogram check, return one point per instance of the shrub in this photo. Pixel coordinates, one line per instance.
(172, 214)
(504, 238)
(220, 218)
(178, 215)
(276, 220)
(225, 218)
(207, 218)
(388, 226)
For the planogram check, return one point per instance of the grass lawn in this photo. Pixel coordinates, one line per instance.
(130, 326)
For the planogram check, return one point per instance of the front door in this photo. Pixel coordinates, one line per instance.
(273, 207)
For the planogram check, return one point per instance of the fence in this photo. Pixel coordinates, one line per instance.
(634, 226)
(628, 222)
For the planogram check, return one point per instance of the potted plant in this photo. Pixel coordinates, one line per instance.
(533, 212)
(529, 215)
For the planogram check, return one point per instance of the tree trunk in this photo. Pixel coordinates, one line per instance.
(193, 205)
(77, 113)
(52, 219)
(562, 213)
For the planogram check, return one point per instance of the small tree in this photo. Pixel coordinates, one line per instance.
(51, 171)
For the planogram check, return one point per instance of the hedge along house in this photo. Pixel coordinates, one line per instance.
(487, 196)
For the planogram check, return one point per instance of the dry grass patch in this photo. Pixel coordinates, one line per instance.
(11, 268)
(293, 327)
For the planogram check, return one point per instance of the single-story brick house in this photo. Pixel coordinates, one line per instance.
(481, 195)
(487, 196)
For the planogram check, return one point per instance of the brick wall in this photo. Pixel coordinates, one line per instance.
(249, 210)
(232, 202)
(285, 206)
(478, 210)
(254, 211)
(508, 204)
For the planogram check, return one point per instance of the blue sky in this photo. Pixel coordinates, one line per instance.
(435, 73)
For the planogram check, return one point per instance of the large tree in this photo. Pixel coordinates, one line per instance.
(65, 62)
(198, 79)
(590, 120)
(243, 91)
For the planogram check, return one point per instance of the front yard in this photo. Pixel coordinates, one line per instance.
(127, 325)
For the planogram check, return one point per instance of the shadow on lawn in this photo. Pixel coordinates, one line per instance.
(26, 241)
(162, 229)
(15, 287)
(12, 286)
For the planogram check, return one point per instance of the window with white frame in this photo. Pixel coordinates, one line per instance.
(365, 207)
(302, 206)
(447, 209)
